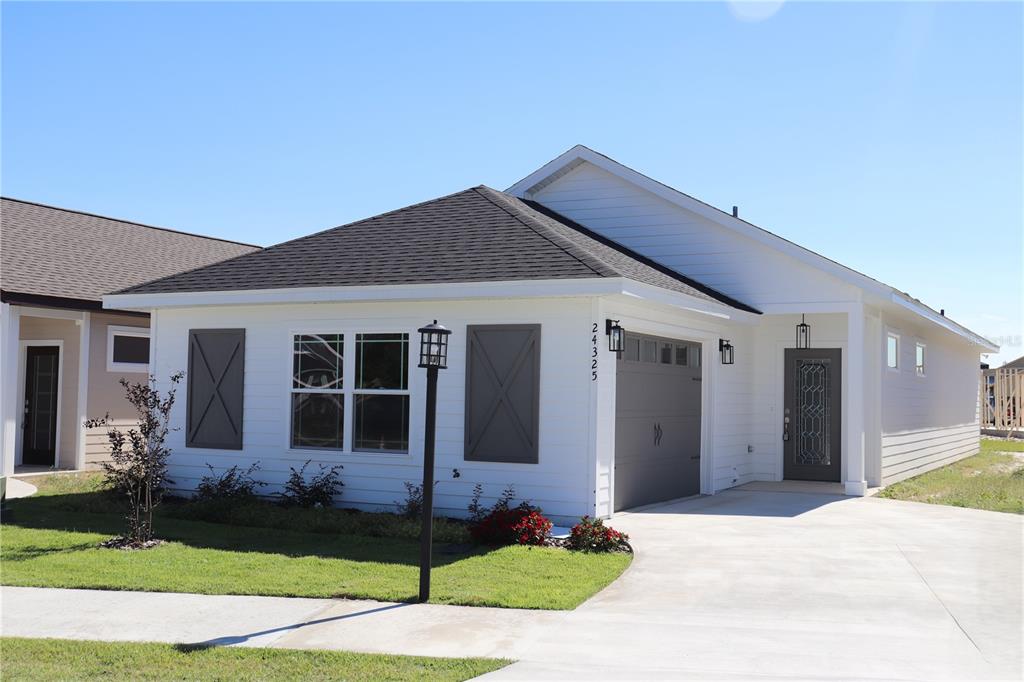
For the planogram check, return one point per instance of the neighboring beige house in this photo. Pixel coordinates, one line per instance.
(61, 354)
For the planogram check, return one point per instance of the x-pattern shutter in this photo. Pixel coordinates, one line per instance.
(502, 392)
(216, 374)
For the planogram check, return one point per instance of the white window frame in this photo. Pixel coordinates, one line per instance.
(920, 369)
(117, 330)
(349, 391)
(383, 391)
(346, 402)
(896, 336)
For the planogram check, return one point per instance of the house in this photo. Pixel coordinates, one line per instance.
(308, 350)
(62, 353)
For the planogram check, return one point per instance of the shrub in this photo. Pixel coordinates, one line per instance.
(504, 524)
(412, 506)
(234, 484)
(532, 529)
(137, 469)
(318, 492)
(591, 535)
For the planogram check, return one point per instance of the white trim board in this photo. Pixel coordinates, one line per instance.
(555, 288)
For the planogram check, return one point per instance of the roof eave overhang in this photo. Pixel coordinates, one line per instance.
(553, 288)
(942, 321)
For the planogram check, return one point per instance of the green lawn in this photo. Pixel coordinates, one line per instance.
(57, 659)
(993, 480)
(51, 541)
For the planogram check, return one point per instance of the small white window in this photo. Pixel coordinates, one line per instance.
(919, 359)
(127, 349)
(892, 351)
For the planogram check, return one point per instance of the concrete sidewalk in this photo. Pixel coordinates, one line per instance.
(743, 584)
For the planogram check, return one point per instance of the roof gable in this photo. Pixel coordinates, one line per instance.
(537, 183)
(64, 254)
(476, 235)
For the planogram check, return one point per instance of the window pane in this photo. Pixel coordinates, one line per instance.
(382, 423)
(381, 361)
(650, 351)
(317, 420)
(318, 361)
(920, 358)
(681, 352)
(632, 349)
(666, 353)
(892, 351)
(134, 349)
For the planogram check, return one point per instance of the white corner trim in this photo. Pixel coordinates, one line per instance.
(84, 337)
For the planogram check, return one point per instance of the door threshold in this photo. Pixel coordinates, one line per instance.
(794, 486)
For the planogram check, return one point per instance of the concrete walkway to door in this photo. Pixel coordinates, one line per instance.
(743, 584)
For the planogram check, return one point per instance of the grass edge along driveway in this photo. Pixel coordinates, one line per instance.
(61, 659)
(48, 544)
(992, 480)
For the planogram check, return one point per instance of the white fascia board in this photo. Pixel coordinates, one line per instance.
(404, 292)
(941, 320)
(675, 299)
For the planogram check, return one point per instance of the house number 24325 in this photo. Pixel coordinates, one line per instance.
(593, 353)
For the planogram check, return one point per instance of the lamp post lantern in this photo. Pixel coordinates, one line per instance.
(433, 357)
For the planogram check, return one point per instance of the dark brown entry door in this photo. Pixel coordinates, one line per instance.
(812, 418)
(41, 373)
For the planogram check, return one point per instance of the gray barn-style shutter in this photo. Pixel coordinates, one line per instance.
(216, 375)
(502, 392)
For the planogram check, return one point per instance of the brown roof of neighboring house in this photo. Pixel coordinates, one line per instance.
(477, 235)
(63, 254)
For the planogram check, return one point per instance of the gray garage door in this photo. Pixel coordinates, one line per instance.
(657, 421)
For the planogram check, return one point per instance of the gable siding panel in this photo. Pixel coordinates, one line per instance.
(716, 256)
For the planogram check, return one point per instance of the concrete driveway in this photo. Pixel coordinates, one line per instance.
(752, 584)
(740, 585)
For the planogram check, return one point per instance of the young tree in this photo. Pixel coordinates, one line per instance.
(138, 457)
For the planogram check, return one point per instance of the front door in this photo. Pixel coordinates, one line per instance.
(812, 418)
(40, 425)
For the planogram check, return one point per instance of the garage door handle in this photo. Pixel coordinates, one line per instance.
(657, 433)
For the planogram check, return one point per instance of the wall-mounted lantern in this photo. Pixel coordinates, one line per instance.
(803, 333)
(725, 347)
(616, 336)
(433, 356)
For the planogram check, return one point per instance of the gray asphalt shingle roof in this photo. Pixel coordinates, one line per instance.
(477, 235)
(48, 251)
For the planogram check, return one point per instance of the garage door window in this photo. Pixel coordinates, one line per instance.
(680, 354)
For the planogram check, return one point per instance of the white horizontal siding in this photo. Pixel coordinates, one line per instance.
(932, 420)
(558, 483)
(695, 246)
(909, 454)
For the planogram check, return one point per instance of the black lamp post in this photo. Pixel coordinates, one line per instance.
(433, 356)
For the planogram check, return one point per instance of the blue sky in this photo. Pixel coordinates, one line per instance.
(886, 136)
